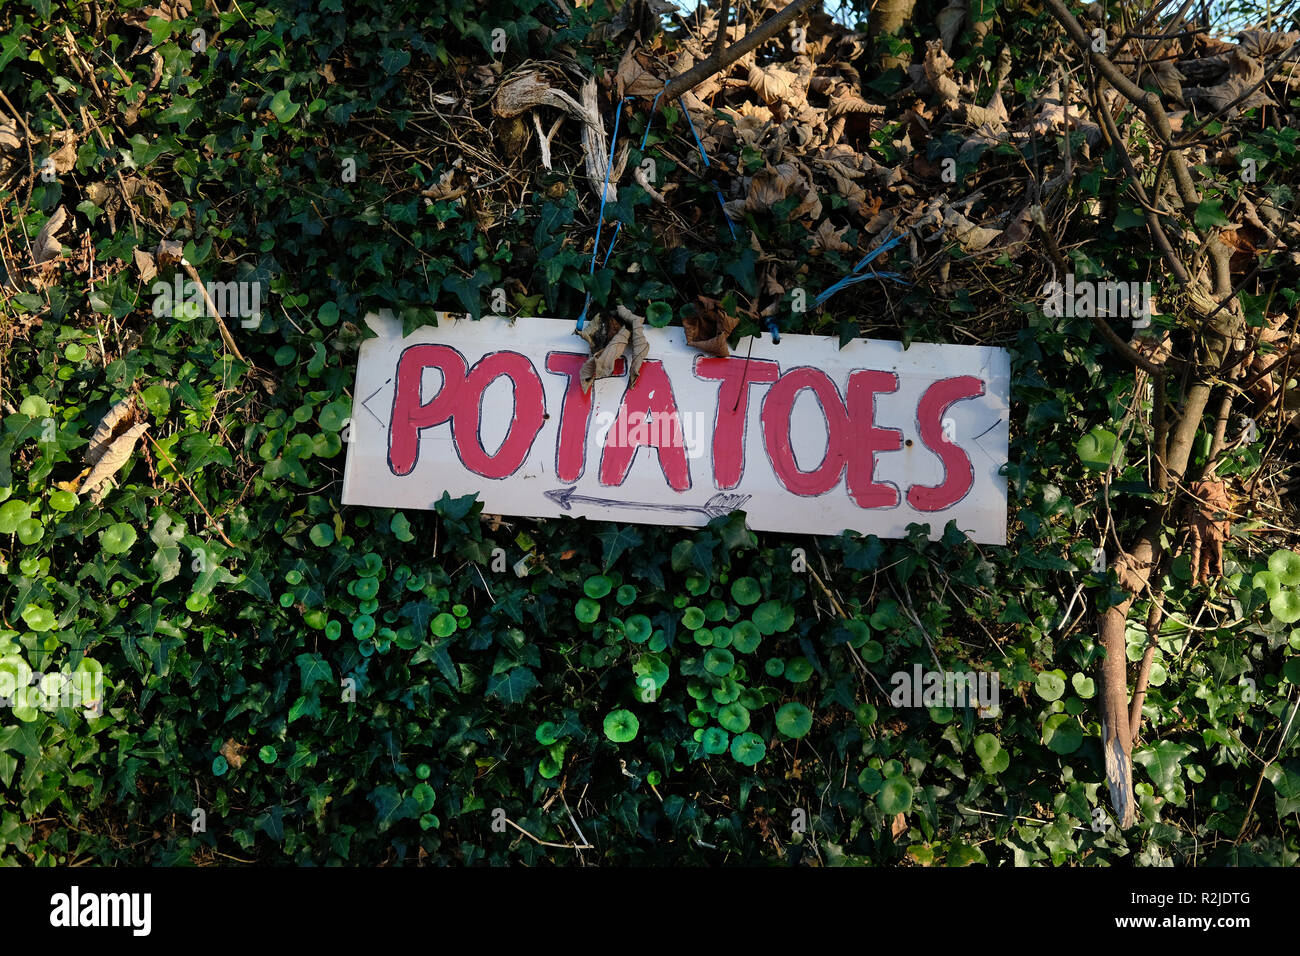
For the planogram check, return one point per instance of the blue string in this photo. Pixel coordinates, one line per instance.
(644, 136)
(618, 226)
(856, 275)
(604, 189)
(722, 203)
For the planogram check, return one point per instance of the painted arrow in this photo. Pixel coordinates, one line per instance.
(715, 507)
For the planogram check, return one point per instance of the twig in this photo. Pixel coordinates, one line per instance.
(1054, 253)
(558, 846)
(226, 337)
(212, 523)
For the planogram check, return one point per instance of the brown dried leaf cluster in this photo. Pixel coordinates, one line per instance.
(1211, 524)
(611, 340)
(111, 445)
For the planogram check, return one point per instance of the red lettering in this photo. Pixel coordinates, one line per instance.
(651, 393)
(868, 439)
(575, 413)
(959, 473)
(777, 407)
(410, 415)
(735, 374)
(525, 421)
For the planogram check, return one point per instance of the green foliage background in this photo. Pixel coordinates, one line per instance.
(686, 692)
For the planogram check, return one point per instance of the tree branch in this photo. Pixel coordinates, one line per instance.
(721, 59)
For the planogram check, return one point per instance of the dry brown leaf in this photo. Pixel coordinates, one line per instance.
(1244, 72)
(635, 76)
(610, 341)
(708, 328)
(1211, 524)
(828, 239)
(112, 460)
(144, 264)
(937, 65)
(233, 751)
(64, 157)
(9, 140)
(115, 421)
(47, 247)
(773, 84)
(169, 252)
(772, 184)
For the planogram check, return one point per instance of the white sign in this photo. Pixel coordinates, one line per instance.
(802, 436)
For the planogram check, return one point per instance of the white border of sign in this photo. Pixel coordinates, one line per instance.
(977, 425)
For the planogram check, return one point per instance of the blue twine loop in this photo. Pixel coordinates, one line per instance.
(856, 274)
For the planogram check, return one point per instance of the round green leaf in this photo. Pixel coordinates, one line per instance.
(794, 719)
(1096, 448)
(1286, 565)
(1050, 685)
(987, 747)
(693, 618)
(117, 538)
(444, 625)
(748, 749)
(1083, 685)
(772, 617)
(895, 796)
(719, 661)
(63, 500)
(1268, 582)
(745, 637)
(621, 726)
(30, 530)
(798, 670)
(1062, 734)
(734, 717)
(638, 628)
(12, 513)
(586, 610)
(597, 586)
(547, 733)
(39, 619)
(322, 535)
(715, 741)
(745, 591)
(268, 754)
(1286, 607)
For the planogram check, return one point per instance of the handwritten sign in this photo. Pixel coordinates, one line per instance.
(802, 436)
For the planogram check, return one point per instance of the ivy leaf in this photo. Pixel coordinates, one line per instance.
(313, 669)
(1163, 761)
(614, 542)
(1209, 215)
(512, 686)
(283, 106)
(166, 562)
(468, 291)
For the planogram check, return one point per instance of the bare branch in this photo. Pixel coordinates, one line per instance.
(721, 59)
